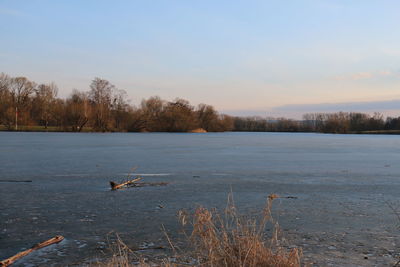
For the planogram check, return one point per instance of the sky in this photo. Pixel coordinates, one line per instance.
(268, 58)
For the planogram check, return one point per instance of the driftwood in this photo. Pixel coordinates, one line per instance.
(16, 257)
(134, 183)
(115, 186)
(274, 196)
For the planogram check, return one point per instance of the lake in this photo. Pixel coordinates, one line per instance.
(343, 186)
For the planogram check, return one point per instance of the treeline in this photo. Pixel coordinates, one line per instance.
(339, 122)
(102, 108)
(260, 124)
(105, 108)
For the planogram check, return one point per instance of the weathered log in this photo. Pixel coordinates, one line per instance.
(115, 186)
(21, 254)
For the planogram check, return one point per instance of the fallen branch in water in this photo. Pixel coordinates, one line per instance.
(274, 196)
(115, 186)
(134, 183)
(16, 257)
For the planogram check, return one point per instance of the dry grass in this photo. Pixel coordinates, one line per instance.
(124, 256)
(228, 240)
(233, 240)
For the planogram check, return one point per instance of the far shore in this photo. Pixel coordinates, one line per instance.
(198, 130)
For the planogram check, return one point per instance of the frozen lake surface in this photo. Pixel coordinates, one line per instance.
(342, 183)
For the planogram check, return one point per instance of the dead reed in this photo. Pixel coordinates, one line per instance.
(233, 240)
(223, 240)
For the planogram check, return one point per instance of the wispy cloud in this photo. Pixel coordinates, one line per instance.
(361, 76)
(346, 106)
(367, 75)
(387, 107)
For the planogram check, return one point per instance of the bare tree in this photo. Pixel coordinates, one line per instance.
(179, 116)
(207, 117)
(100, 95)
(45, 99)
(20, 89)
(4, 82)
(5, 101)
(77, 111)
(226, 123)
(152, 110)
(120, 109)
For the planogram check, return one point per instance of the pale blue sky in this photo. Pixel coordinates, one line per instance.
(243, 57)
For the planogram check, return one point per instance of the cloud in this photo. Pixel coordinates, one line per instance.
(245, 112)
(361, 76)
(367, 75)
(347, 106)
(386, 73)
(295, 111)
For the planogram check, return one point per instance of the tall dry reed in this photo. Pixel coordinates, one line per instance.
(233, 240)
(225, 240)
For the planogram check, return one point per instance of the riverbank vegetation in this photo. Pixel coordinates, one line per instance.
(28, 106)
(339, 122)
(215, 239)
(25, 105)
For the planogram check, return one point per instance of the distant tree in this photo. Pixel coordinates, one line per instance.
(337, 123)
(4, 82)
(100, 95)
(6, 111)
(136, 123)
(314, 122)
(20, 89)
(120, 110)
(45, 102)
(59, 113)
(179, 116)
(207, 117)
(376, 122)
(392, 123)
(152, 111)
(358, 121)
(76, 111)
(309, 122)
(226, 123)
(250, 124)
(287, 125)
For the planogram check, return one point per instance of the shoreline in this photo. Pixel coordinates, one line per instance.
(53, 130)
